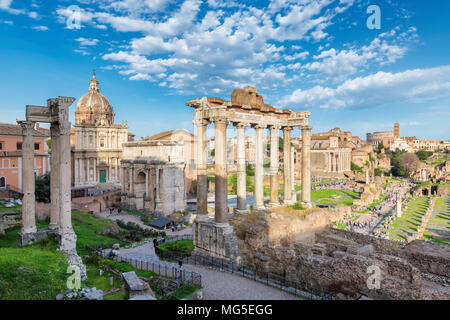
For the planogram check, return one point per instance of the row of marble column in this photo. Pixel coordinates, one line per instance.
(60, 179)
(221, 207)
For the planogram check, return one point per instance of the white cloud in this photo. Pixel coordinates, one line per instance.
(40, 28)
(87, 42)
(376, 89)
(5, 5)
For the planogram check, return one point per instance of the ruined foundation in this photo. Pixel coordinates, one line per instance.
(217, 240)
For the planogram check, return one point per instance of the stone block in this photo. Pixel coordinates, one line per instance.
(133, 285)
(25, 239)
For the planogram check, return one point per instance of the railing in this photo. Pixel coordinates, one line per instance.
(267, 278)
(178, 274)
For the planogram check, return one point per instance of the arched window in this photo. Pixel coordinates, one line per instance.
(2, 182)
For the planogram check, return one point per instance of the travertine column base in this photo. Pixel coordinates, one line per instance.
(216, 239)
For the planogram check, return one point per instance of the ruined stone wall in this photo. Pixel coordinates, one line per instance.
(9, 220)
(337, 260)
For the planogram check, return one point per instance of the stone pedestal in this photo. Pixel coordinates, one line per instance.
(147, 203)
(25, 239)
(216, 239)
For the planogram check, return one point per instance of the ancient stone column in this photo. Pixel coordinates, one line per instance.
(287, 165)
(259, 168)
(367, 176)
(68, 237)
(306, 165)
(28, 201)
(241, 172)
(221, 183)
(202, 177)
(293, 173)
(158, 205)
(54, 177)
(399, 205)
(274, 164)
(147, 172)
(131, 178)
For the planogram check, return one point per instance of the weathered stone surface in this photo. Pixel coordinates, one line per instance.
(338, 261)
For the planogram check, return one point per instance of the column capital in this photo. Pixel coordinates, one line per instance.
(201, 122)
(287, 128)
(259, 126)
(274, 127)
(220, 121)
(26, 125)
(306, 128)
(240, 124)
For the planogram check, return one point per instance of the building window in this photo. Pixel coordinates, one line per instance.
(102, 143)
(19, 145)
(36, 146)
(1, 145)
(2, 182)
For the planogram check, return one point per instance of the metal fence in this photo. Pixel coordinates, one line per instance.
(267, 278)
(178, 274)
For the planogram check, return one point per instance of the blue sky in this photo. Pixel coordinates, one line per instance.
(151, 56)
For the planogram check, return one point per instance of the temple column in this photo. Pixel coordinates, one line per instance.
(147, 172)
(241, 172)
(287, 165)
(259, 168)
(54, 177)
(28, 201)
(68, 237)
(274, 164)
(221, 183)
(158, 207)
(293, 175)
(306, 165)
(202, 173)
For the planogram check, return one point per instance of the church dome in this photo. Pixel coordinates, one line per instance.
(93, 108)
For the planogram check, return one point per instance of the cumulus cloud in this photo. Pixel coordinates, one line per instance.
(6, 5)
(376, 89)
(87, 42)
(215, 44)
(40, 28)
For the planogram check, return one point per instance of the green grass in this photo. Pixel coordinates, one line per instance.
(125, 267)
(185, 291)
(408, 224)
(438, 227)
(85, 227)
(100, 281)
(12, 209)
(119, 295)
(36, 272)
(180, 247)
(334, 197)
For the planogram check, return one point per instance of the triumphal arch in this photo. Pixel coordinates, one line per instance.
(245, 109)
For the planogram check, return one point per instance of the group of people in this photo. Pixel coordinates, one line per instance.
(112, 209)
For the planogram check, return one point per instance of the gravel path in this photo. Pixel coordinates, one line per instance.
(226, 286)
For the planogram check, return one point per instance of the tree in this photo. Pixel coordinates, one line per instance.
(42, 188)
(355, 168)
(423, 154)
(380, 146)
(377, 172)
(409, 161)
